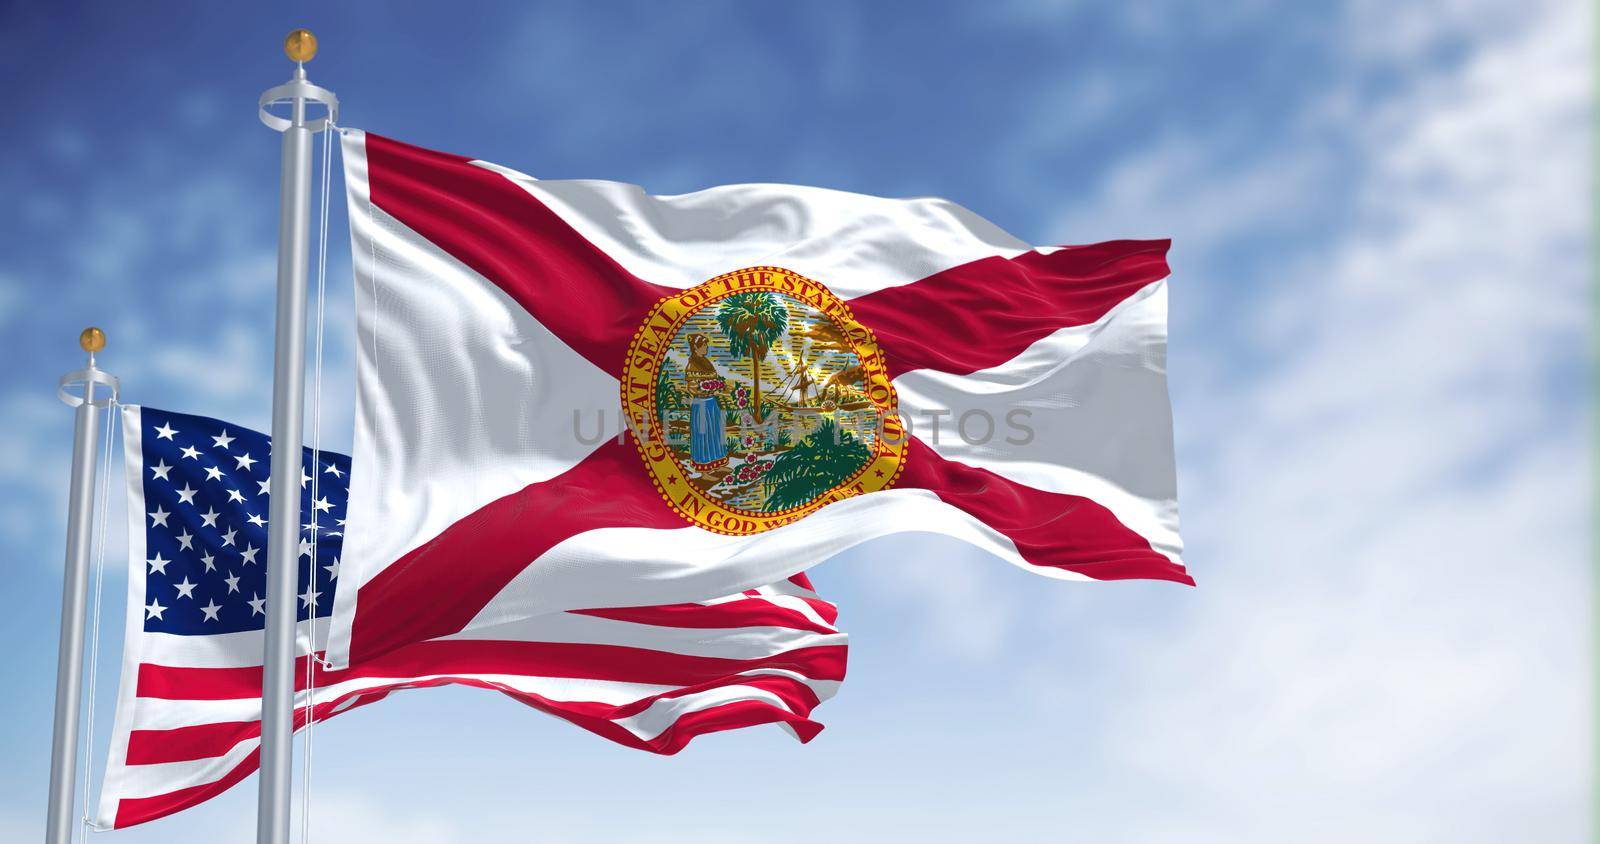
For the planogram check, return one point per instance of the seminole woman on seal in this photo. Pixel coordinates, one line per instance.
(708, 447)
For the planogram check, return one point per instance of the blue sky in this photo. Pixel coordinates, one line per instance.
(1380, 370)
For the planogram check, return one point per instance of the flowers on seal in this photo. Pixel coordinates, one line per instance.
(741, 396)
(711, 385)
(751, 471)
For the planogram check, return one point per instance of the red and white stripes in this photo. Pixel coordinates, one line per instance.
(188, 712)
(651, 678)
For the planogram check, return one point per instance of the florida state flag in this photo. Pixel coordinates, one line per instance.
(575, 394)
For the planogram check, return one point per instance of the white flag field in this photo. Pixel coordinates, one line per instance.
(798, 370)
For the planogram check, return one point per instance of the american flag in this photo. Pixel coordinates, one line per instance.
(188, 709)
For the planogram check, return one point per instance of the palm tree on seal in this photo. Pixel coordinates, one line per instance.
(753, 322)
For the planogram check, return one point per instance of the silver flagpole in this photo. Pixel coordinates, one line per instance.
(74, 581)
(288, 399)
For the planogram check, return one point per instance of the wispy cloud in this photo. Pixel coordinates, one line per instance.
(1383, 430)
(1387, 513)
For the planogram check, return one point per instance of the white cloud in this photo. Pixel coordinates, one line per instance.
(14, 827)
(337, 814)
(1376, 31)
(350, 817)
(1386, 474)
(934, 578)
(35, 461)
(1388, 516)
(1180, 188)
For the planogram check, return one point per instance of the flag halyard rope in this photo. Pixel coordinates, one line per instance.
(103, 495)
(316, 473)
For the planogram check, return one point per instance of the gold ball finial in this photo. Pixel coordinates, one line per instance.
(92, 340)
(300, 45)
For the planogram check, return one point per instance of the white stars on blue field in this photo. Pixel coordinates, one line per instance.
(205, 501)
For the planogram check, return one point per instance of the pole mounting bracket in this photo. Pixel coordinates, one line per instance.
(74, 385)
(301, 90)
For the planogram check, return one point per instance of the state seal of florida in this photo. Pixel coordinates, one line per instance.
(756, 398)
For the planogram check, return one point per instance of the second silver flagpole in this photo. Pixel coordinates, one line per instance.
(74, 587)
(288, 407)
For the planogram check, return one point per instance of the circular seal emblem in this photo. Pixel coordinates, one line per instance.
(756, 398)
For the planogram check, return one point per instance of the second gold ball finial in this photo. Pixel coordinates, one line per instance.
(92, 340)
(300, 45)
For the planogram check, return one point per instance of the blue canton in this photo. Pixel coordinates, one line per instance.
(205, 503)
